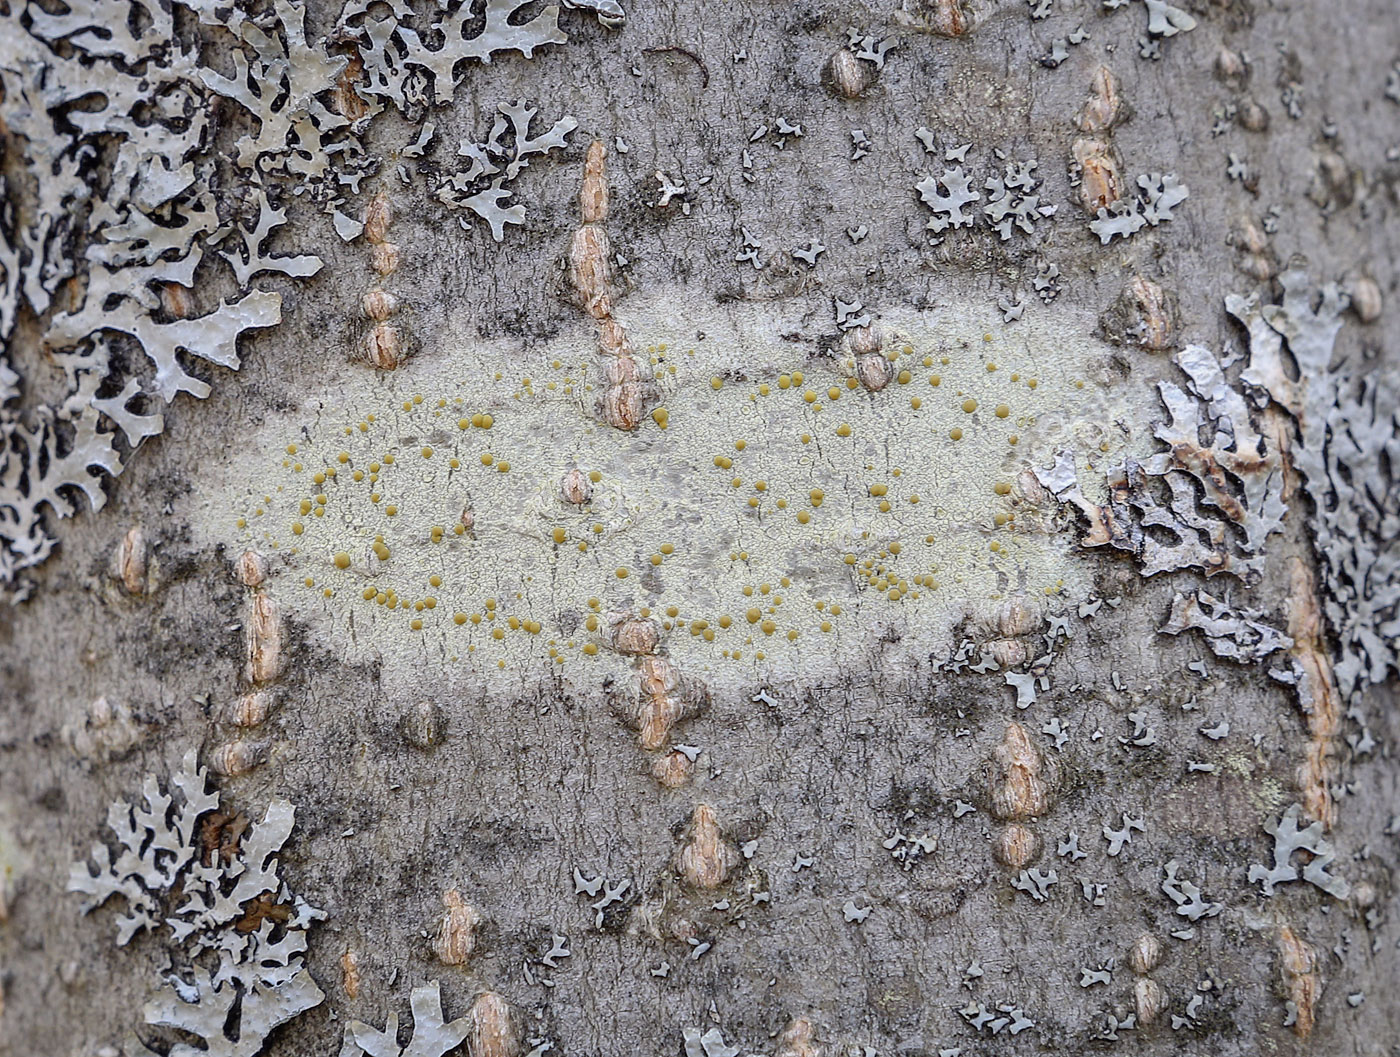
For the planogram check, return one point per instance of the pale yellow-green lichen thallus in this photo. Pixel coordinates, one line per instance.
(774, 516)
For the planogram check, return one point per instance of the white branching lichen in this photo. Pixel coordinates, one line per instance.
(948, 195)
(1005, 1016)
(707, 1044)
(481, 187)
(1157, 196)
(235, 921)
(1034, 883)
(402, 69)
(1012, 201)
(1392, 83)
(1346, 452)
(866, 47)
(1167, 20)
(1241, 478)
(1288, 838)
(432, 1036)
(604, 892)
(157, 841)
(149, 236)
(1235, 635)
(1230, 450)
(157, 230)
(1124, 835)
(1187, 895)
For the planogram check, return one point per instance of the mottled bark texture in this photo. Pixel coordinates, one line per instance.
(1038, 843)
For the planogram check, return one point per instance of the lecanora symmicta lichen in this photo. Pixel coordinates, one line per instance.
(823, 504)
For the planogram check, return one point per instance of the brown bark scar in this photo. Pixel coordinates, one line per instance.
(1317, 691)
(495, 1031)
(1022, 779)
(456, 934)
(1317, 694)
(1301, 979)
(626, 389)
(707, 858)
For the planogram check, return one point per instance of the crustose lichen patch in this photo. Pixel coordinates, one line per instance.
(771, 515)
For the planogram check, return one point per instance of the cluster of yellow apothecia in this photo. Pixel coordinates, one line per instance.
(793, 503)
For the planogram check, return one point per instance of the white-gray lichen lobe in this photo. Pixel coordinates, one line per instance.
(154, 239)
(239, 933)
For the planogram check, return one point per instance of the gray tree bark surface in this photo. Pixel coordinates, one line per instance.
(1008, 813)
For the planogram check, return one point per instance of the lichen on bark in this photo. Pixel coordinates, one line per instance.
(987, 818)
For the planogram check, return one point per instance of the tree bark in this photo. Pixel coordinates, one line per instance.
(930, 606)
